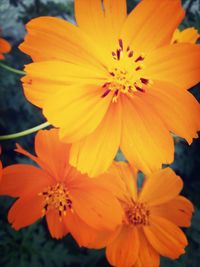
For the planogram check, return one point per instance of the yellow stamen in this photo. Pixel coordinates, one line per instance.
(56, 197)
(127, 77)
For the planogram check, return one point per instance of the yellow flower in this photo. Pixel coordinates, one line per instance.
(114, 81)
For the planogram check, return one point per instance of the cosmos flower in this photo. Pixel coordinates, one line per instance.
(152, 217)
(114, 81)
(72, 203)
(5, 47)
(188, 35)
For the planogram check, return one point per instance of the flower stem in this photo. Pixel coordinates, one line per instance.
(26, 132)
(20, 72)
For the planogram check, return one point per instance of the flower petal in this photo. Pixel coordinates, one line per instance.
(53, 153)
(95, 153)
(146, 143)
(178, 64)
(147, 254)
(170, 103)
(25, 211)
(20, 179)
(47, 78)
(124, 249)
(89, 16)
(5, 47)
(161, 187)
(57, 227)
(149, 22)
(1, 170)
(124, 172)
(52, 38)
(84, 234)
(77, 112)
(179, 211)
(115, 15)
(188, 35)
(165, 237)
(94, 204)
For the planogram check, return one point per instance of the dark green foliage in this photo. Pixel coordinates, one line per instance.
(33, 246)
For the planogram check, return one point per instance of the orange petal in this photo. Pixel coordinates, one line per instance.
(90, 18)
(1, 56)
(148, 257)
(1, 170)
(64, 73)
(47, 79)
(95, 153)
(179, 211)
(94, 204)
(77, 112)
(161, 187)
(25, 211)
(170, 103)
(165, 237)
(22, 151)
(146, 143)
(5, 47)
(146, 28)
(124, 172)
(115, 15)
(84, 234)
(189, 35)
(178, 64)
(52, 38)
(124, 249)
(112, 180)
(57, 227)
(21, 179)
(52, 152)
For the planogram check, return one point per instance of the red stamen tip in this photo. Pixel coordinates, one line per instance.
(145, 81)
(138, 68)
(118, 54)
(140, 58)
(130, 54)
(106, 93)
(121, 43)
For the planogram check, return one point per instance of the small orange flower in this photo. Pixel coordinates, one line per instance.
(151, 219)
(115, 81)
(189, 35)
(5, 47)
(70, 201)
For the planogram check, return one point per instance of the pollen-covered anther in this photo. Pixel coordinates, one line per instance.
(56, 197)
(137, 214)
(128, 76)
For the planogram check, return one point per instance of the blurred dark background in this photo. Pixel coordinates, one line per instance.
(33, 245)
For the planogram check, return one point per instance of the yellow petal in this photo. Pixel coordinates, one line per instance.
(95, 153)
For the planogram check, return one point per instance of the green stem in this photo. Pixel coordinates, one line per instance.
(20, 72)
(26, 132)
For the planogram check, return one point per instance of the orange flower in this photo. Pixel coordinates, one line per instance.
(70, 201)
(151, 220)
(114, 81)
(5, 47)
(189, 35)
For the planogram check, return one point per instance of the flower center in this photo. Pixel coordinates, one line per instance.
(137, 214)
(56, 197)
(127, 77)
